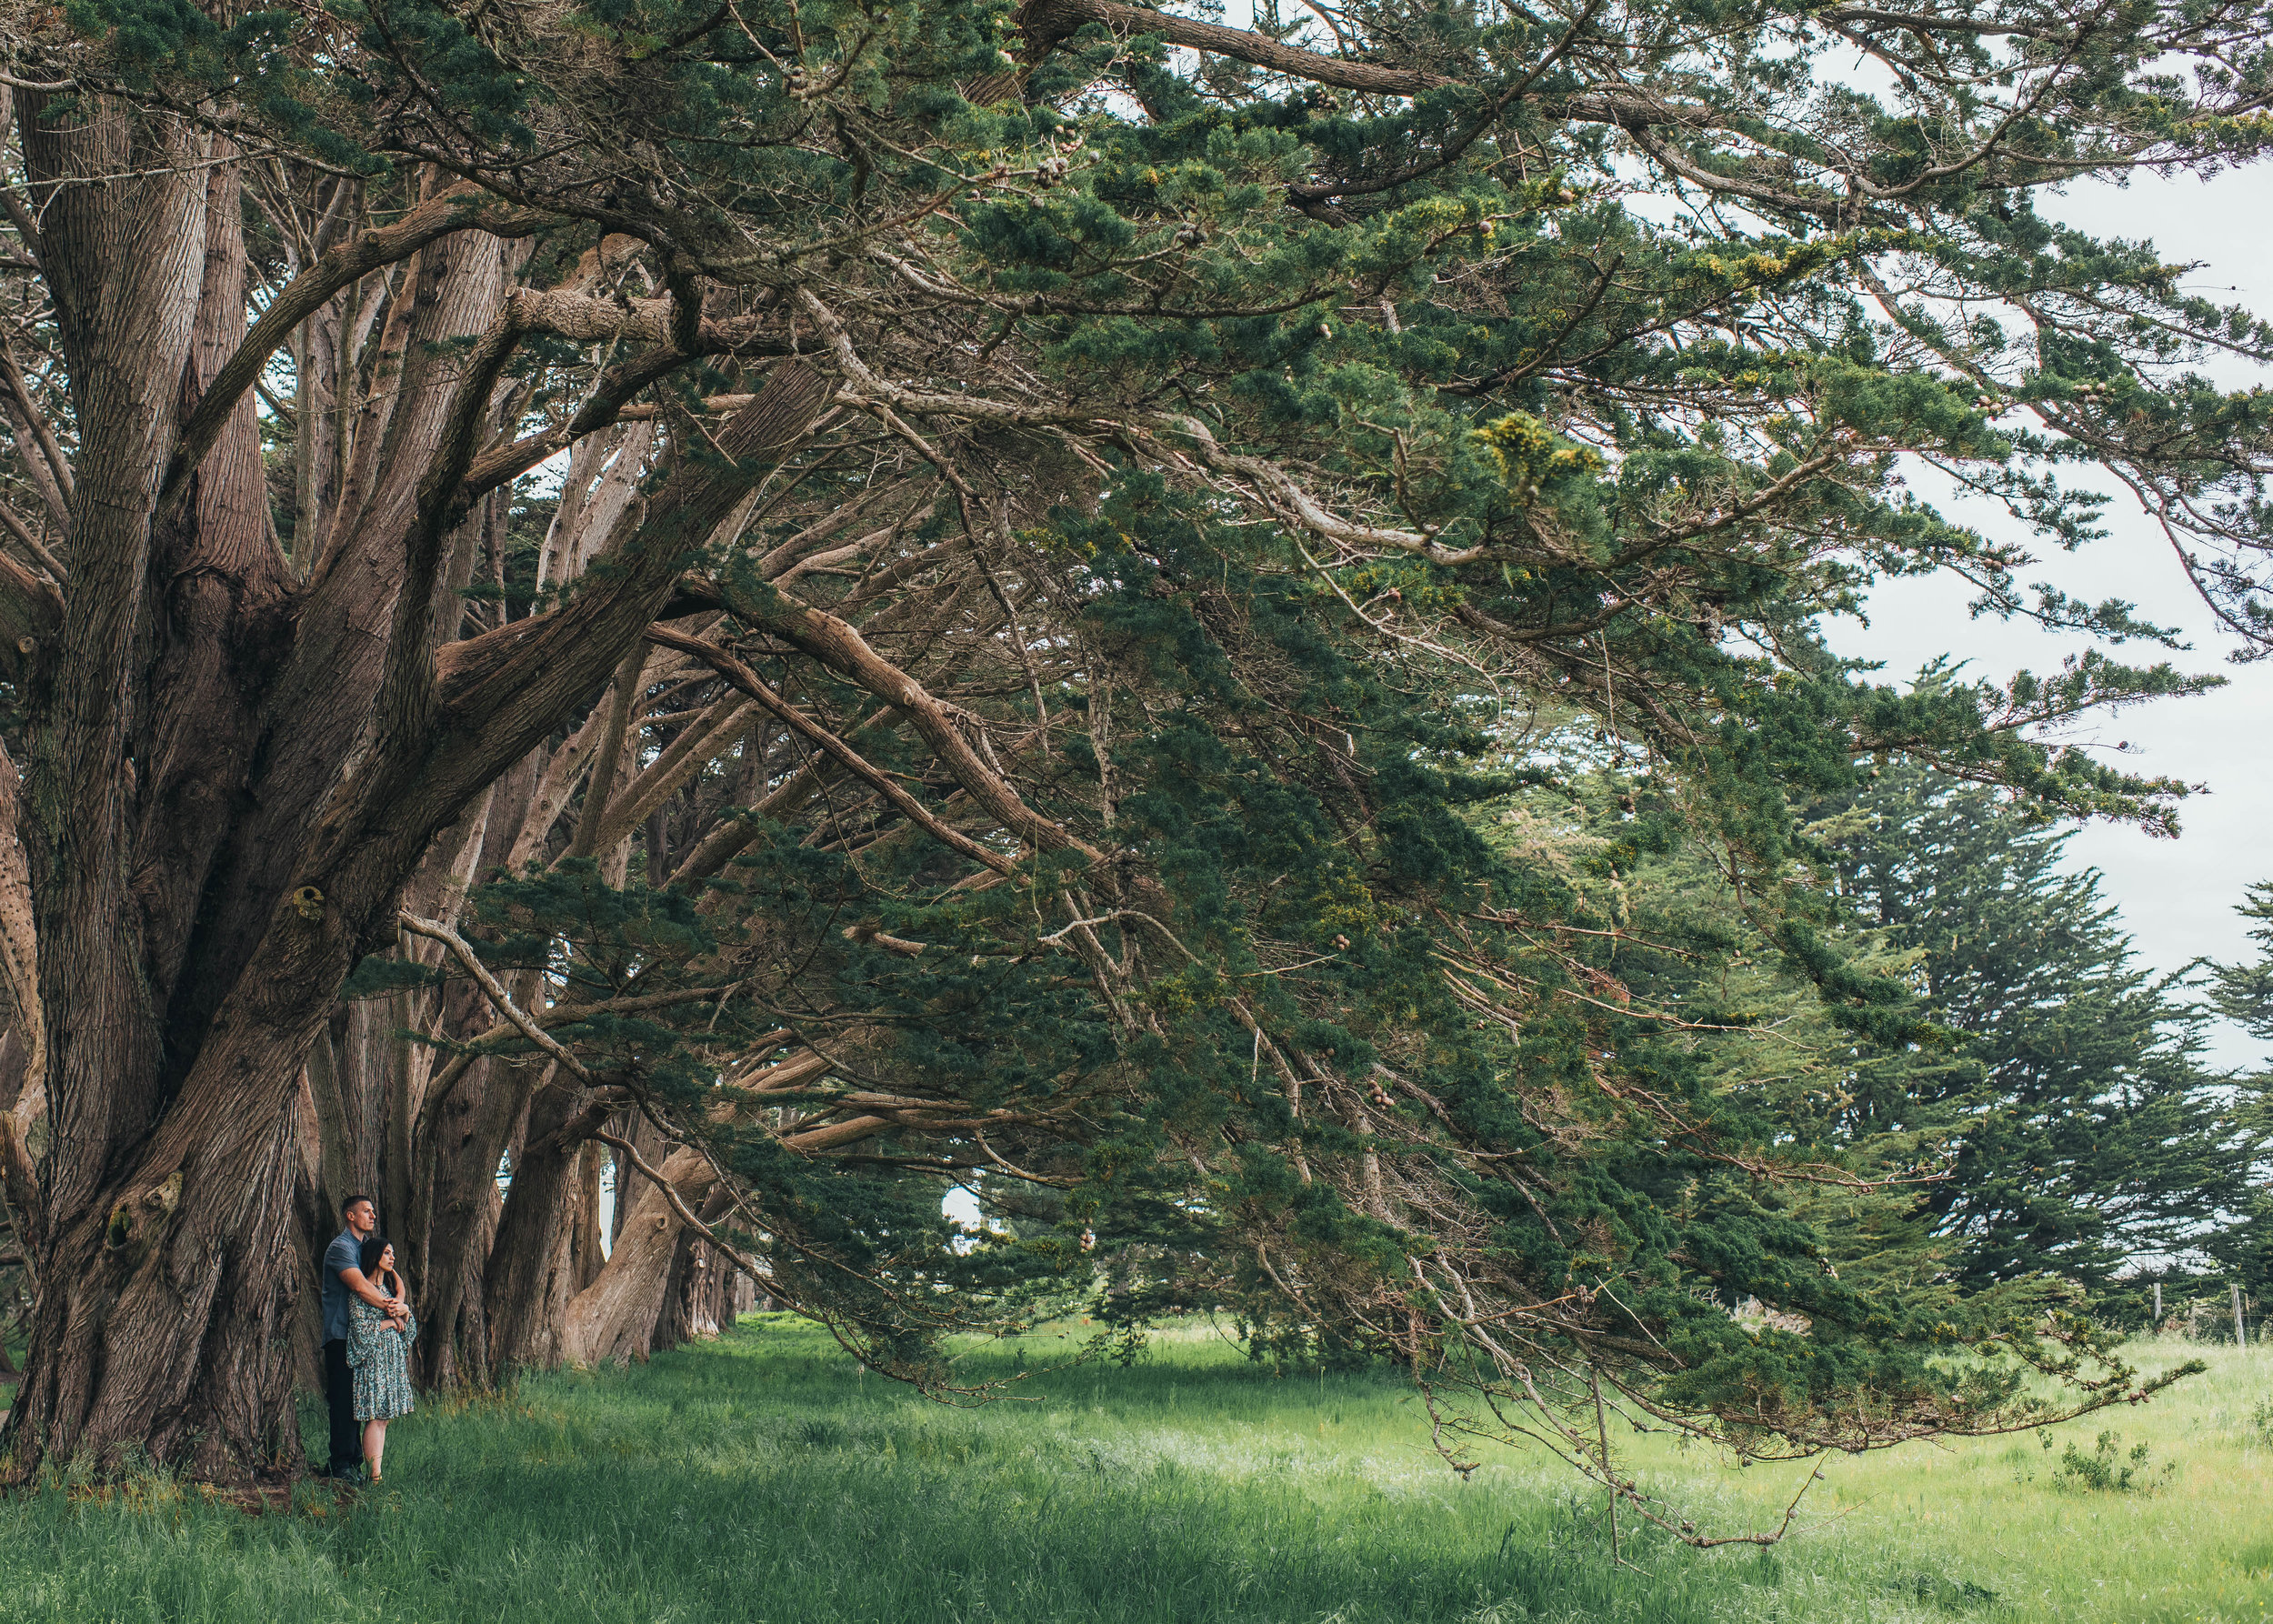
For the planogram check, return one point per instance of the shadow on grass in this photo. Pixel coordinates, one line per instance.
(759, 1479)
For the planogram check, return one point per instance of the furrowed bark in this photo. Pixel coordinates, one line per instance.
(126, 263)
(161, 1249)
(613, 1319)
(218, 607)
(534, 1270)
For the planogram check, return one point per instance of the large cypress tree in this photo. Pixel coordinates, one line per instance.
(1112, 513)
(2243, 994)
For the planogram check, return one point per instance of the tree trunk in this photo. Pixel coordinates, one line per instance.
(167, 1281)
(588, 1252)
(698, 1302)
(533, 1271)
(614, 1319)
(233, 774)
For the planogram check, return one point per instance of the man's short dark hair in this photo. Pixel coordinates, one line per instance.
(352, 1202)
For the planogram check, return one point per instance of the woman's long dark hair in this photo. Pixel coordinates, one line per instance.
(373, 1248)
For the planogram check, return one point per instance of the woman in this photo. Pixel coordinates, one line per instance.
(378, 1352)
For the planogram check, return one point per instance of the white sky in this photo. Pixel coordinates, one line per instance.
(2176, 895)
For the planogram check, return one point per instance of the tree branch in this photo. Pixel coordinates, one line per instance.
(1047, 24)
(463, 951)
(461, 208)
(13, 522)
(837, 645)
(906, 805)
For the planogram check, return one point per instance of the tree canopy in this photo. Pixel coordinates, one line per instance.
(1045, 528)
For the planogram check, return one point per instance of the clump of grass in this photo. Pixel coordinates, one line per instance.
(1940, 1591)
(2261, 1420)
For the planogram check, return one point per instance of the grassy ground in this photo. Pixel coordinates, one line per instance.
(761, 1478)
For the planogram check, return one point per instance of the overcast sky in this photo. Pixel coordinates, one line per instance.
(2176, 895)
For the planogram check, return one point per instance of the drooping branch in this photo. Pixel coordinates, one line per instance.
(1048, 24)
(740, 675)
(493, 990)
(838, 646)
(461, 208)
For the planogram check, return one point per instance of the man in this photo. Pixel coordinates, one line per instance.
(342, 1278)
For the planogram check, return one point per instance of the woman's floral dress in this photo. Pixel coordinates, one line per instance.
(379, 1354)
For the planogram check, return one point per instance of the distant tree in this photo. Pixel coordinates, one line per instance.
(1796, 1042)
(2243, 994)
(2084, 1134)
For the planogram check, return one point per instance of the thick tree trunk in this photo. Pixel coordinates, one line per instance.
(614, 1319)
(462, 1215)
(166, 1277)
(234, 773)
(698, 1302)
(534, 1270)
(166, 1314)
(452, 1195)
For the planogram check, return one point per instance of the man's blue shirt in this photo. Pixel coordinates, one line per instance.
(345, 1252)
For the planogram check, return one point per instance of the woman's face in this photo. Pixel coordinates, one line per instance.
(386, 1259)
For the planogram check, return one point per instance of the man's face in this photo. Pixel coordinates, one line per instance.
(363, 1217)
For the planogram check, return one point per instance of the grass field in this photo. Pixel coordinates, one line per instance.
(762, 1478)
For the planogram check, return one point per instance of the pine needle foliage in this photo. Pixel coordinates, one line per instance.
(1221, 468)
(2086, 1136)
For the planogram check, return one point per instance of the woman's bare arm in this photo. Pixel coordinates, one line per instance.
(393, 1307)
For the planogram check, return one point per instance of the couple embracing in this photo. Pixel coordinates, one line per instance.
(367, 1331)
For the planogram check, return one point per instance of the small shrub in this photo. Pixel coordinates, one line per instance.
(1942, 1592)
(2109, 1469)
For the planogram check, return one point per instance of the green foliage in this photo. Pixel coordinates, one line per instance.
(1317, 450)
(2084, 1134)
(2108, 1468)
(2244, 992)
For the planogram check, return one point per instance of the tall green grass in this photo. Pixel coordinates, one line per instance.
(762, 1478)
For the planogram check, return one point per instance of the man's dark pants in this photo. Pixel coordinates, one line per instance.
(339, 1397)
